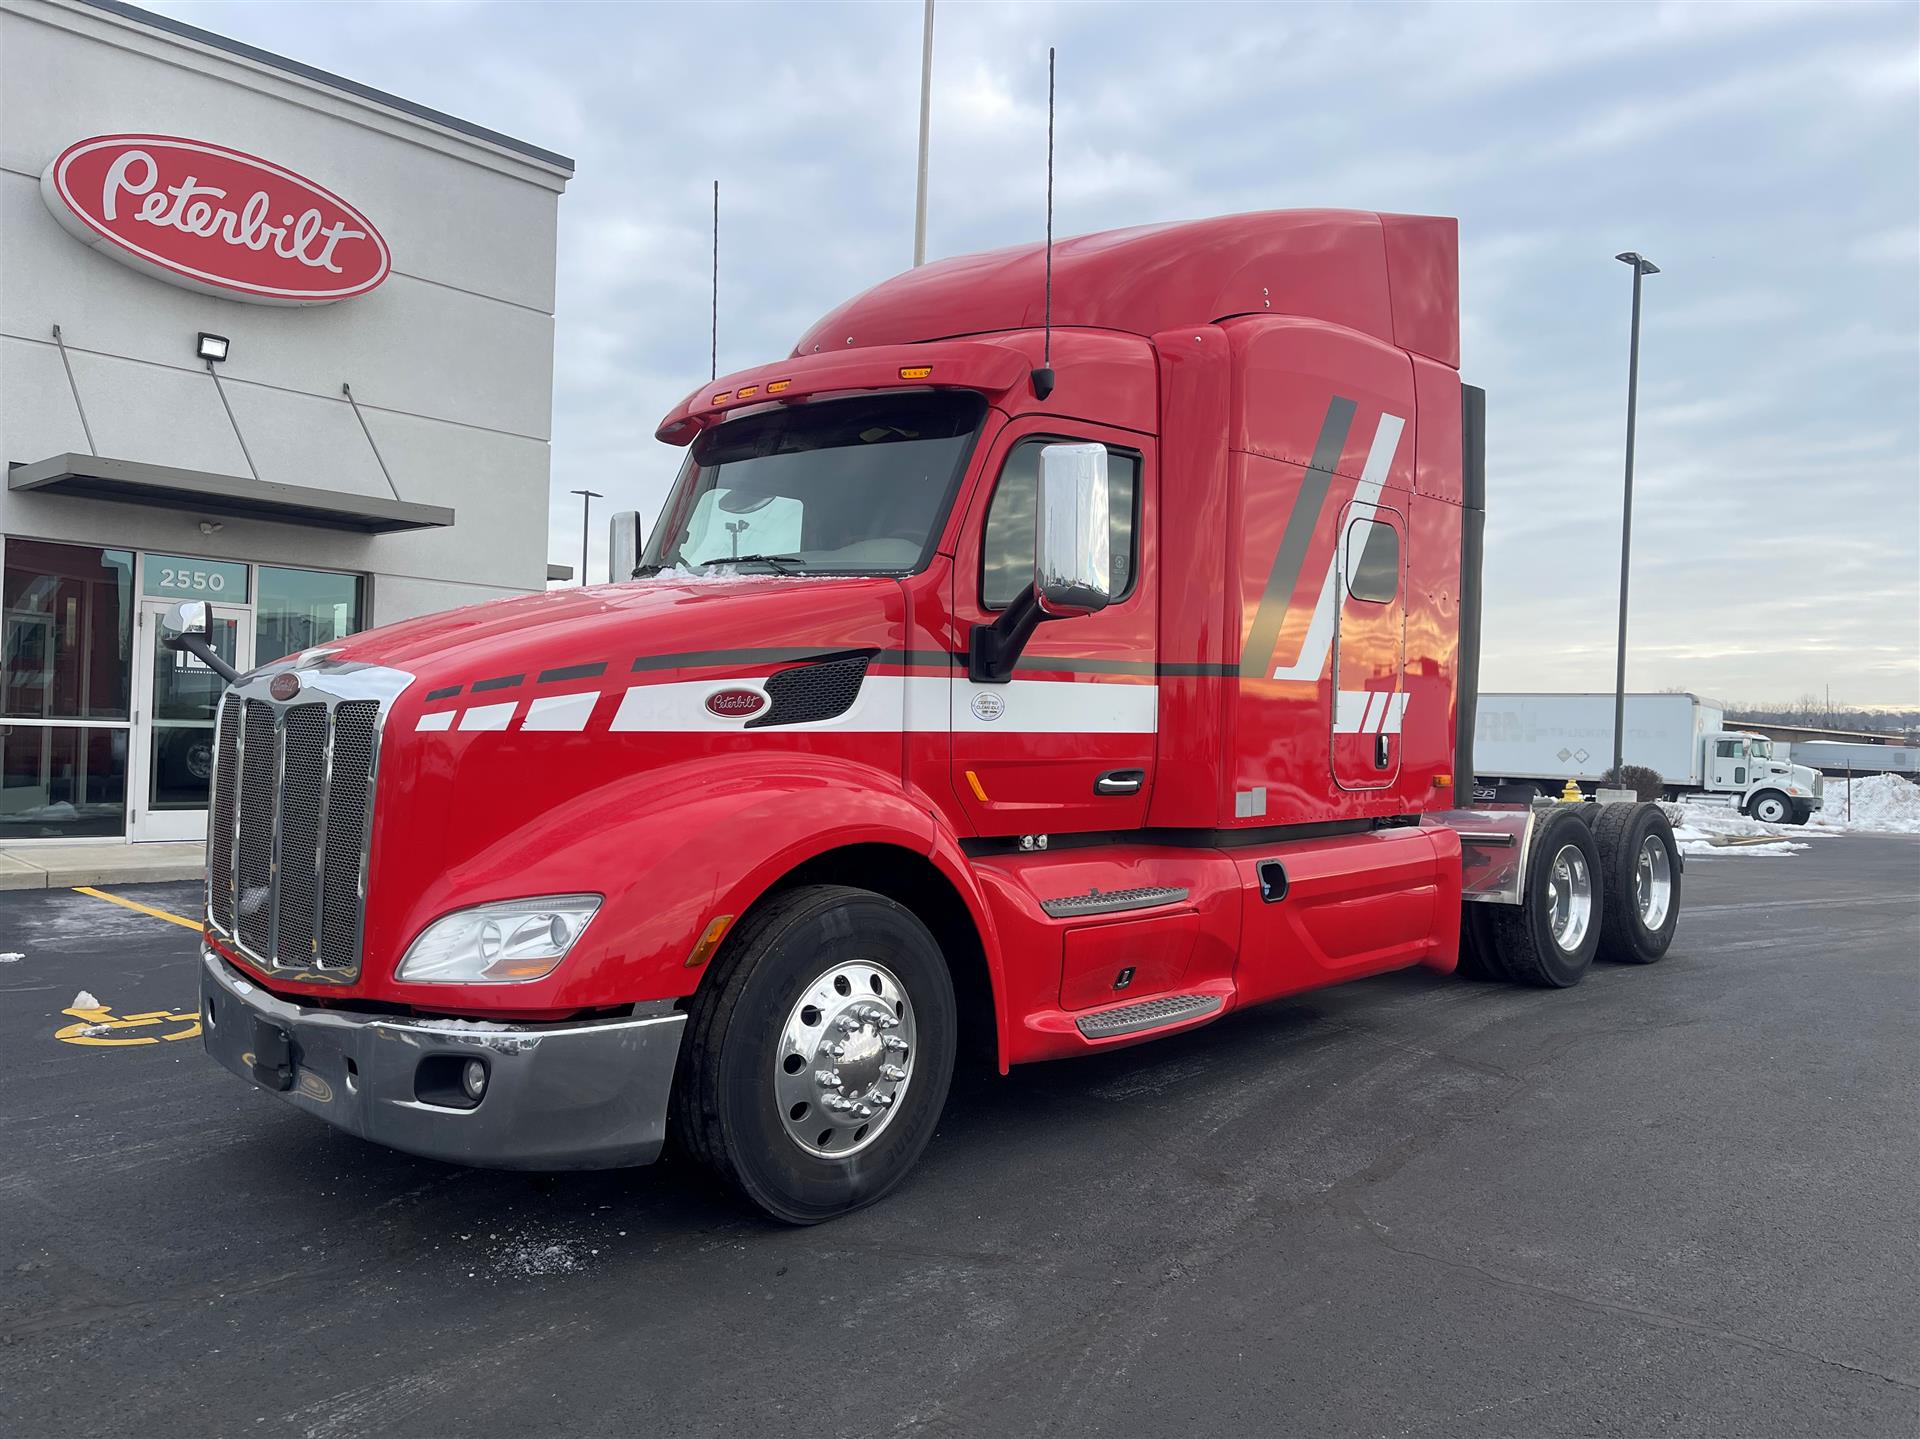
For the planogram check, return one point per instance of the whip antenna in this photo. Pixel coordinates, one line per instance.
(713, 357)
(1043, 377)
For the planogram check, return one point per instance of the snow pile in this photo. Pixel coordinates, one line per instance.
(1882, 804)
(84, 1000)
(12, 956)
(1707, 829)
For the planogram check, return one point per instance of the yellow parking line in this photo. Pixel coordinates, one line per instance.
(179, 919)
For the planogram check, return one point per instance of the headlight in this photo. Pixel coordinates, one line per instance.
(508, 942)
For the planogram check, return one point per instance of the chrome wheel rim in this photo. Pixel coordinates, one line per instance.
(1569, 897)
(1653, 882)
(845, 1059)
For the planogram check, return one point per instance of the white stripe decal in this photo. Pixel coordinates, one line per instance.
(442, 720)
(1312, 659)
(925, 704)
(489, 717)
(1368, 711)
(563, 713)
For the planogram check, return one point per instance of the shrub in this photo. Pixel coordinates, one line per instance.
(1645, 783)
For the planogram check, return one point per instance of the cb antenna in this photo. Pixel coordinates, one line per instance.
(713, 356)
(1043, 377)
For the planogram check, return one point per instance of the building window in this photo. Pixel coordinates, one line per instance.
(298, 609)
(62, 781)
(1006, 548)
(68, 632)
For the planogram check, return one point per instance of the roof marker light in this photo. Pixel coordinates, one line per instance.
(723, 397)
(915, 372)
(746, 392)
(774, 387)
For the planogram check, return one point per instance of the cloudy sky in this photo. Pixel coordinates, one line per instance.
(1767, 157)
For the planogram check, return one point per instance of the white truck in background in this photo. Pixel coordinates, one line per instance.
(1544, 740)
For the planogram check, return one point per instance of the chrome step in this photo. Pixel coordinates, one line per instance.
(1148, 1014)
(1096, 901)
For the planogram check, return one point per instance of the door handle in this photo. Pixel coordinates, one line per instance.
(1380, 751)
(1120, 781)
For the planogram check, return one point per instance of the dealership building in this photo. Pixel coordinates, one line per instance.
(268, 338)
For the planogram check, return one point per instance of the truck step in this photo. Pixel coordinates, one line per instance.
(1148, 1014)
(1112, 901)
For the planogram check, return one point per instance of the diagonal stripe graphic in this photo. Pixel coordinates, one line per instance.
(1256, 654)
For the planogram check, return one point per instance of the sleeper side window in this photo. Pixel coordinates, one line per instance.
(1373, 561)
(1006, 547)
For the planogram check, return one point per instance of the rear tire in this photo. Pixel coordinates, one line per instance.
(1550, 937)
(746, 1103)
(1641, 863)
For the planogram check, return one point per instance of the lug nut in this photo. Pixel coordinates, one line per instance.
(848, 1024)
(895, 1043)
(827, 1078)
(893, 1072)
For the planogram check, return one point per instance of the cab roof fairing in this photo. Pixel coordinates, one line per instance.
(1393, 277)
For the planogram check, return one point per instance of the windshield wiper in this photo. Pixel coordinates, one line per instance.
(784, 564)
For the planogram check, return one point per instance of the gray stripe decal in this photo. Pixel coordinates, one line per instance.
(1256, 655)
(574, 672)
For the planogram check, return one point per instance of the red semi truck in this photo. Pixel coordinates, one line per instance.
(996, 679)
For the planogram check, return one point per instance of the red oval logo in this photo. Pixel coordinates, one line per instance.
(735, 704)
(285, 685)
(216, 220)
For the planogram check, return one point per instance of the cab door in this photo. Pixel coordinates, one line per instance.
(1729, 763)
(1369, 647)
(1068, 743)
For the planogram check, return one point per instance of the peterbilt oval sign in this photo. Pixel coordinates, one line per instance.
(212, 219)
(735, 704)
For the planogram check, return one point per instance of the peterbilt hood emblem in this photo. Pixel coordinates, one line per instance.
(735, 703)
(285, 686)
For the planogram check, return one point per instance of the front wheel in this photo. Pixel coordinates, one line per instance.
(1771, 807)
(817, 1060)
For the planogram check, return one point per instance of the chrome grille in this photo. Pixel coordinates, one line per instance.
(253, 856)
(289, 821)
(220, 818)
(304, 737)
(353, 750)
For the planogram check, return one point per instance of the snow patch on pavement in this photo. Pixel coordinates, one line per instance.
(84, 1000)
(1882, 804)
(12, 956)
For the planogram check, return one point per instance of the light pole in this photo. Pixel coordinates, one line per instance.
(1642, 266)
(926, 116)
(587, 497)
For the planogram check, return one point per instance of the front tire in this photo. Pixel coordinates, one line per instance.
(817, 1059)
(1771, 807)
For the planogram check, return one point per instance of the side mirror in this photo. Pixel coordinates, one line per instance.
(188, 617)
(1070, 532)
(188, 625)
(624, 540)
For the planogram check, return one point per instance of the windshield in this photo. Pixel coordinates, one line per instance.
(854, 486)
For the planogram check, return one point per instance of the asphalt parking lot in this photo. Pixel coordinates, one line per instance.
(1679, 1200)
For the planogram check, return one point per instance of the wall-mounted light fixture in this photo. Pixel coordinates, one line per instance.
(212, 348)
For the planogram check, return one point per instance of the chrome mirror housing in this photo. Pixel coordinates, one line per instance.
(1070, 532)
(187, 617)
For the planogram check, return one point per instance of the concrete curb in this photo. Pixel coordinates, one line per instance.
(64, 867)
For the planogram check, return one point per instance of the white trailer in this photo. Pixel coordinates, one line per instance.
(1544, 740)
(1838, 757)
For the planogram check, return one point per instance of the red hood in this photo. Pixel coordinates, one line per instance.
(617, 624)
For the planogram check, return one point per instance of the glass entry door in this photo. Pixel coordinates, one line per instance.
(175, 700)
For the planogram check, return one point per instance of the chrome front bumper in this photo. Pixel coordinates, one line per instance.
(575, 1095)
